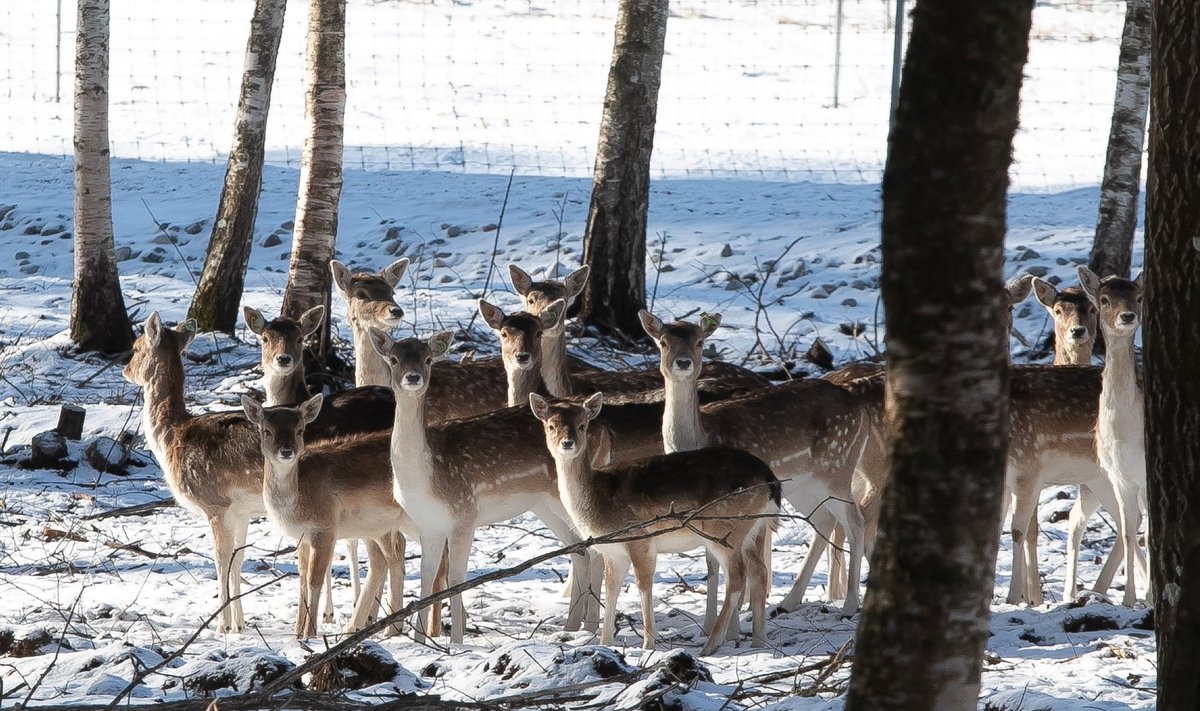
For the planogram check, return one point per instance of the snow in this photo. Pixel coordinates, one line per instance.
(794, 188)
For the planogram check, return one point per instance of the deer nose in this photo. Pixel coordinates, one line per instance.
(396, 312)
(683, 363)
(523, 358)
(286, 453)
(284, 360)
(567, 444)
(1128, 317)
(413, 378)
(1078, 332)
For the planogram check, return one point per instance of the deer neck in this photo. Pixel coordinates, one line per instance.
(281, 487)
(369, 367)
(1119, 391)
(288, 390)
(163, 409)
(412, 463)
(554, 365)
(577, 490)
(521, 383)
(1079, 354)
(682, 429)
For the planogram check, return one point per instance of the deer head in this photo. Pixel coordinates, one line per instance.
(566, 423)
(1073, 314)
(370, 298)
(680, 343)
(282, 428)
(536, 296)
(282, 338)
(1118, 301)
(521, 333)
(410, 360)
(157, 345)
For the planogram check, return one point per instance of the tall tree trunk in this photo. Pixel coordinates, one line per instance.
(1172, 340)
(320, 164)
(99, 321)
(614, 243)
(215, 305)
(1112, 249)
(920, 642)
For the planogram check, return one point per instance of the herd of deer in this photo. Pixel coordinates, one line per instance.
(433, 449)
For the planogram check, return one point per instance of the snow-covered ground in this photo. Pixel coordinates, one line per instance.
(719, 226)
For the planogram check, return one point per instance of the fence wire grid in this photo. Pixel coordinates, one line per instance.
(497, 85)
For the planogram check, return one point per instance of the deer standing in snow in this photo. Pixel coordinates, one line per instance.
(734, 494)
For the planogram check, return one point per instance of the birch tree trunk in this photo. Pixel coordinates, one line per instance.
(920, 642)
(99, 321)
(320, 164)
(1112, 248)
(215, 305)
(614, 242)
(1171, 342)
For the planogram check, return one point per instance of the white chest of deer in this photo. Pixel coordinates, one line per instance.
(281, 497)
(1120, 429)
(414, 469)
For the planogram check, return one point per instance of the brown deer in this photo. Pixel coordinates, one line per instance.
(1074, 319)
(1120, 427)
(211, 463)
(810, 432)
(325, 491)
(453, 477)
(522, 342)
(733, 495)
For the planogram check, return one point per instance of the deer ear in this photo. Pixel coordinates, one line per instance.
(1018, 289)
(1045, 292)
(521, 280)
(1090, 283)
(311, 408)
(1138, 282)
(187, 329)
(254, 319)
(552, 315)
(394, 272)
(539, 405)
(253, 409)
(312, 319)
(341, 276)
(709, 323)
(593, 404)
(576, 280)
(153, 329)
(652, 324)
(492, 315)
(380, 341)
(440, 342)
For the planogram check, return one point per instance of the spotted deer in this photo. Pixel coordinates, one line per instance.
(522, 344)
(211, 463)
(733, 493)
(1120, 433)
(810, 432)
(324, 491)
(453, 477)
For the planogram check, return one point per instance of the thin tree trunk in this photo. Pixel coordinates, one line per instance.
(1172, 342)
(1112, 249)
(320, 164)
(614, 242)
(215, 305)
(921, 639)
(99, 321)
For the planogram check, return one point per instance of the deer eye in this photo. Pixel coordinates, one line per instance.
(1104, 301)
(393, 360)
(360, 294)
(537, 334)
(428, 360)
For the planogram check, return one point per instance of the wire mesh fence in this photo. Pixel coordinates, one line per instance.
(748, 90)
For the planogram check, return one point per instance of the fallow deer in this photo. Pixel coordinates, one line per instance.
(1120, 433)
(522, 344)
(453, 477)
(1074, 319)
(211, 463)
(321, 492)
(810, 432)
(733, 492)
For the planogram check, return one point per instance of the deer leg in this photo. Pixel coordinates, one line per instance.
(439, 584)
(364, 607)
(758, 575)
(644, 562)
(432, 547)
(838, 581)
(327, 614)
(303, 554)
(1131, 515)
(224, 542)
(616, 567)
(579, 575)
(1023, 511)
(240, 525)
(352, 566)
(394, 549)
(822, 522)
(460, 550)
(852, 521)
(319, 559)
(1087, 502)
(713, 580)
(735, 582)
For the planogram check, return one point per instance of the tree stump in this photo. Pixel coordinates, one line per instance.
(47, 451)
(70, 422)
(107, 455)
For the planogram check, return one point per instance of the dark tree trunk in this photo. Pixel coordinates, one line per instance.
(215, 305)
(315, 233)
(99, 321)
(1172, 342)
(1112, 249)
(921, 639)
(614, 243)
